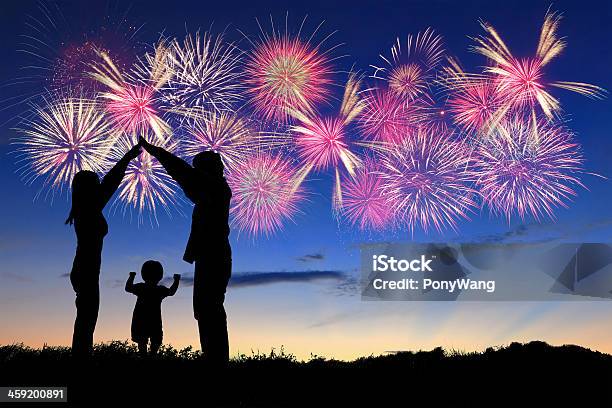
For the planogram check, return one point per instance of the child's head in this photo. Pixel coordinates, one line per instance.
(152, 271)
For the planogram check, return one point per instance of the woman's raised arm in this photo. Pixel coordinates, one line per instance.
(110, 182)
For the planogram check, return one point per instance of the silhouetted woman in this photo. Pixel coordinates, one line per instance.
(89, 196)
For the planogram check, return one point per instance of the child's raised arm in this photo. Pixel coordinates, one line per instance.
(175, 285)
(129, 285)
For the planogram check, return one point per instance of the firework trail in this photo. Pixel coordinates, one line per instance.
(206, 75)
(409, 70)
(322, 142)
(146, 186)
(528, 166)
(285, 73)
(131, 101)
(264, 194)
(427, 179)
(65, 136)
(520, 81)
(364, 203)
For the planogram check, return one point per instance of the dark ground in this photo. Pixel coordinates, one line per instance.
(116, 376)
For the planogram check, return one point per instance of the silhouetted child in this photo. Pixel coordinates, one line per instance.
(146, 320)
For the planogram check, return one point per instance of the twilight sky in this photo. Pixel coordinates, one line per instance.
(314, 307)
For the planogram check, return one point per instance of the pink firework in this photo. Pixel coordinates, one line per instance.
(473, 105)
(528, 167)
(521, 81)
(322, 142)
(427, 179)
(284, 73)
(131, 108)
(409, 69)
(264, 194)
(363, 201)
(386, 117)
(131, 100)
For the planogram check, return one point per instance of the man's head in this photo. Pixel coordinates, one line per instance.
(208, 162)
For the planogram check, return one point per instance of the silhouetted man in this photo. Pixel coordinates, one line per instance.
(208, 245)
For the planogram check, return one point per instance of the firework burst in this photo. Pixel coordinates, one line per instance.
(386, 116)
(520, 81)
(206, 74)
(286, 73)
(474, 105)
(427, 179)
(364, 203)
(65, 136)
(528, 167)
(146, 186)
(323, 143)
(224, 133)
(131, 101)
(408, 71)
(60, 47)
(264, 194)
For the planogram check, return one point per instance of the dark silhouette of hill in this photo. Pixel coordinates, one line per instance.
(117, 375)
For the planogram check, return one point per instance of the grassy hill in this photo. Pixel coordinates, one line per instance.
(116, 374)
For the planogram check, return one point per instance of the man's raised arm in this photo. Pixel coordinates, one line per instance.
(176, 167)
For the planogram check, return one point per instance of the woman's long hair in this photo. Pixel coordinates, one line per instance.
(84, 191)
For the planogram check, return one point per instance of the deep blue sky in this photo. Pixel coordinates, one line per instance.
(35, 246)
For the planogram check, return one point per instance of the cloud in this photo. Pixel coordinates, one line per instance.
(186, 280)
(16, 277)
(244, 279)
(547, 231)
(346, 284)
(338, 317)
(349, 286)
(311, 257)
(533, 232)
(265, 278)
